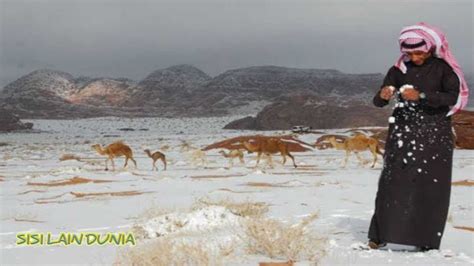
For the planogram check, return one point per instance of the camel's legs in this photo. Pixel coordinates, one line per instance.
(126, 162)
(284, 158)
(348, 153)
(113, 164)
(106, 167)
(154, 166)
(270, 160)
(373, 150)
(164, 162)
(241, 158)
(293, 159)
(134, 162)
(258, 158)
(360, 158)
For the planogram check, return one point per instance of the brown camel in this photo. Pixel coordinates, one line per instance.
(269, 146)
(113, 150)
(233, 154)
(355, 144)
(155, 156)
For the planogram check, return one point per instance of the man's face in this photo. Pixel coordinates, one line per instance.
(418, 57)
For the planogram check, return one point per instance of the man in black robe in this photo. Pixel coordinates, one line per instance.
(412, 200)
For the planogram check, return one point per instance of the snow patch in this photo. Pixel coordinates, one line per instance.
(205, 219)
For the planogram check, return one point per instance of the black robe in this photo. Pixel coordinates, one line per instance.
(414, 188)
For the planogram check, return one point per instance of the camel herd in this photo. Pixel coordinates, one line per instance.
(260, 145)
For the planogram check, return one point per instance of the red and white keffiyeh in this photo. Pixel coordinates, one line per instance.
(434, 38)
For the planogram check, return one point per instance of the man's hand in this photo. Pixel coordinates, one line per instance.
(387, 92)
(411, 95)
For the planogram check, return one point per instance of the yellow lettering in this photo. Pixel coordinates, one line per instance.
(20, 239)
(35, 239)
(91, 238)
(77, 239)
(115, 238)
(131, 239)
(105, 239)
(119, 239)
(50, 239)
(63, 239)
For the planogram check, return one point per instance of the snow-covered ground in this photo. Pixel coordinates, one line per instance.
(344, 197)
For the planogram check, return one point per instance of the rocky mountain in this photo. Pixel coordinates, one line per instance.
(162, 87)
(103, 93)
(271, 81)
(238, 89)
(181, 90)
(179, 77)
(10, 122)
(42, 93)
(54, 94)
(48, 81)
(320, 112)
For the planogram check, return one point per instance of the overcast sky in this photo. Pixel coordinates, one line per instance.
(125, 38)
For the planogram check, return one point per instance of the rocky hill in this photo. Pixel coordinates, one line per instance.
(103, 93)
(243, 88)
(54, 94)
(37, 93)
(463, 124)
(270, 81)
(314, 111)
(178, 91)
(165, 87)
(10, 122)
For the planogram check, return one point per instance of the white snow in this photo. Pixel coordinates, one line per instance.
(343, 197)
(209, 218)
(400, 143)
(406, 87)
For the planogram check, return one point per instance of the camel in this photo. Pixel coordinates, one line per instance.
(197, 155)
(233, 154)
(269, 146)
(322, 142)
(113, 150)
(186, 146)
(355, 144)
(155, 156)
(294, 144)
(165, 147)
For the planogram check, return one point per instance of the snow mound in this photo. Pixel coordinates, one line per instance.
(205, 219)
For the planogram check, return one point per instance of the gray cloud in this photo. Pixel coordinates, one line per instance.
(132, 38)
